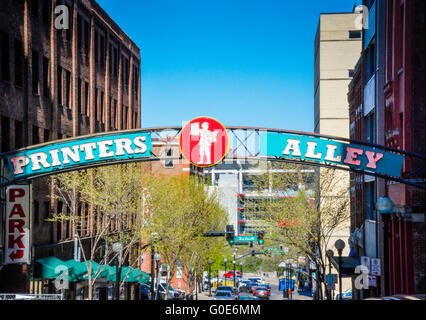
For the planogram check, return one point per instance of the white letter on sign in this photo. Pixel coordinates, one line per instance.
(292, 144)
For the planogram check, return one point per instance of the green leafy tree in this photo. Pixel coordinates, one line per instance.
(182, 210)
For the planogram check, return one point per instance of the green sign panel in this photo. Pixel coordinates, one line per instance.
(245, 238)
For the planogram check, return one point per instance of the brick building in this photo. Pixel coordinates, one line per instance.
(60, 83)
(387, 106)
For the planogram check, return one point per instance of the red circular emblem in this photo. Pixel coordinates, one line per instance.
(204, 142)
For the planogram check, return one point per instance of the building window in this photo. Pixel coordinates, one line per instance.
(79, 32)
(5, 131)
(96, 104)
(102, 51)
(115, 62)
(35, 71)
(46, 135)
(370, 61)
(36, 135)
(101, 108)
(79, 95)
(45, 11)
(4, 55)
(60, 102)
(114, 114)
(86, 98)
(19, 63)
(355, 34)
(96, 47)
(370, 128)
(46, 77)
(46, 210)
(86, 37)
(67, 88)
(19, 134)
(124, 126)
(34, 7)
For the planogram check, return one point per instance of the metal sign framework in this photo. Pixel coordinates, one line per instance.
(246, 144)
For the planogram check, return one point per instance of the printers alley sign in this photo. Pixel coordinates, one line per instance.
(305, 147)
(204, 142)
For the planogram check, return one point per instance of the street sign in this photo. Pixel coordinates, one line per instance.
(375, 267)
(18, 224)
(372, 281)
(245, 238)
(365, 261)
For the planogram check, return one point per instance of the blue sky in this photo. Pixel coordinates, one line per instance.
(243, 62)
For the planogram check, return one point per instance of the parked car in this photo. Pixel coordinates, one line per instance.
(267, 286)
(223, 295)
(346, 295)
(231, 289)
(230, 274)
(145, 292)
(182, 294)
(244, 285)
(251, 286)
(261, 292)
(236, 292)
(248, 298)
(258, 280)
(173, 294)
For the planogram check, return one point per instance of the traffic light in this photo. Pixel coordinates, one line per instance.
(260, 237)
(253, 253)
(230, 235)
(281, 249)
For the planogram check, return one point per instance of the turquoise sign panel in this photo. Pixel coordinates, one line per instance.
(79, 152)
(297, 147)
(245, 238)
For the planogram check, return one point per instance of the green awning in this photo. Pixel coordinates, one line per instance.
(133, 275)
(81, 270)
(52, 267)
(99, 269)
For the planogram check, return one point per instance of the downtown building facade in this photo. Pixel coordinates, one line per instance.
(56, 84)
(338, 43)
(387, 107)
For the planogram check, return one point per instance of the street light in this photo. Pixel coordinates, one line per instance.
(117, 247)
(340, 245)
(210, 284)
(234, 274)
(329, 254)
(157, 258)
(385, 207)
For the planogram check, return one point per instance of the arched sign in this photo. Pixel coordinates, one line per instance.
(205, 142)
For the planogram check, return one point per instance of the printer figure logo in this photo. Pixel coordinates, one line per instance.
(204, 142)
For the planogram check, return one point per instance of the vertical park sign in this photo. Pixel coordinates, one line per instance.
(17, 248)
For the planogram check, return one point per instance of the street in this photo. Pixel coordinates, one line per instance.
(275, 293)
